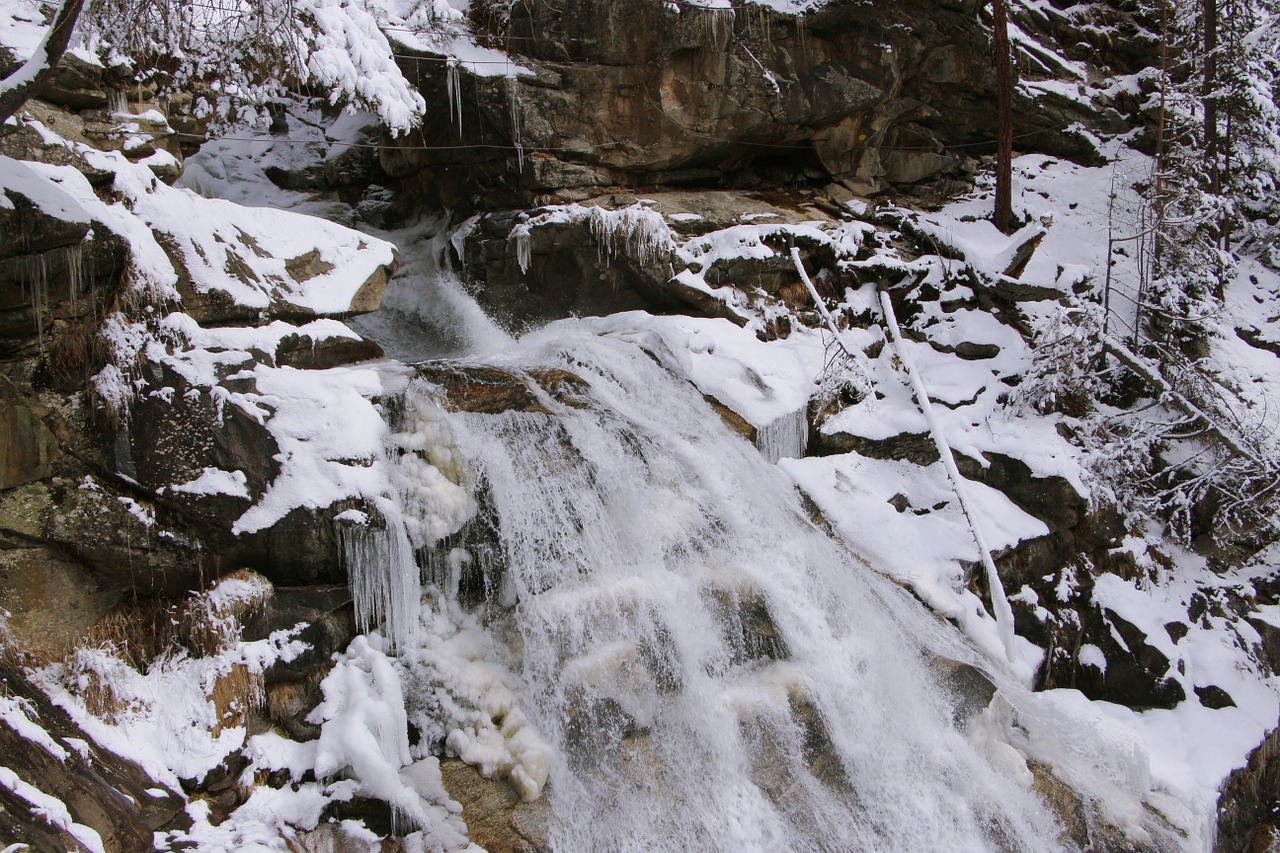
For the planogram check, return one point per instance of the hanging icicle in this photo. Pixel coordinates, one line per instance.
(513, 97)
(453, 89)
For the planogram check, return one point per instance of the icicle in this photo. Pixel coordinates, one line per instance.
(453, 88)
(384, 579)
(786, 437)
(999, 603)
(116, 102)
(513, 94)
(524, 246)
(719, 23)
(640, 232)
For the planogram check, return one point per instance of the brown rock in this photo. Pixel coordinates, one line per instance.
(496, 818)
(27, 447)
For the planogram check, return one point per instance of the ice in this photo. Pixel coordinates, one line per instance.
(635, 231)
(786, 437)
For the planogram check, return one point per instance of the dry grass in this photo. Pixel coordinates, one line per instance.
(211, 622)
(133, 635)
(79, 350)
(235, 694)
(136, 632)
(101, 679)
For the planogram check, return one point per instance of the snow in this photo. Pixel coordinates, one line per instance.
(19, 716)
(23, 179)
(999, 604)
(351, 55)
(451, 679)
(215, 481)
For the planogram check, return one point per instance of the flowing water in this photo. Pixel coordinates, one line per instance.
(712, 670)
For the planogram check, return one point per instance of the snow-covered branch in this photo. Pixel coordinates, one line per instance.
(21, 85)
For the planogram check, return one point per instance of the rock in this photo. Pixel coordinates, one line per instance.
(136, 136)
(303, 351)
(491, 390)
(1213, 696)
(751, 634)
(643, 99)
(1083, 827)
(1052, 499)
(569, 274)
(1247, 817)
(970, 351)
(496, 818)
(969, 688)
(52, 599)
(912, 447)
(27, 447)
(109, 794)
(76, 84)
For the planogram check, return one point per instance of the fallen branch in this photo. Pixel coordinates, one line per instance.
(826, 315)
(999, 602)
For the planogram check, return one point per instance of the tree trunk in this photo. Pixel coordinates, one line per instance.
(23, 84)
(1211, 140)
(1004, 150)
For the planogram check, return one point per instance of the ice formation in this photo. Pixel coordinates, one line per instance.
(635, 231)
(784, 438)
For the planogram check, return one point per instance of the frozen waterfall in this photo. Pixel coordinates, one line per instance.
(711, 670)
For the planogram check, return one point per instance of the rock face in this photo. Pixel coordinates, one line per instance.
(641, 99)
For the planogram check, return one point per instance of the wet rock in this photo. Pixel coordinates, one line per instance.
(491, 390)
(743, 615)
(1083, 827)
(968, 687)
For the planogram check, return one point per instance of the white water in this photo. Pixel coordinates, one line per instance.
(426, 313)
(712, 671)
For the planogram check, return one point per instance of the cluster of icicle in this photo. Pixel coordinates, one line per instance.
(786, 437)
(433, 500)
(636, 231)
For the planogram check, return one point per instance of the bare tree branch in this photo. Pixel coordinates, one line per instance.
(23, 84)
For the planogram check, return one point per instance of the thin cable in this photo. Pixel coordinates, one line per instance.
(277, 140)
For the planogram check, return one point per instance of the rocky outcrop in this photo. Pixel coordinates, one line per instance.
(1247, 810)
(596, 98)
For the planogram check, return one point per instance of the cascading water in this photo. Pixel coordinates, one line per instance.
(711, 670)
